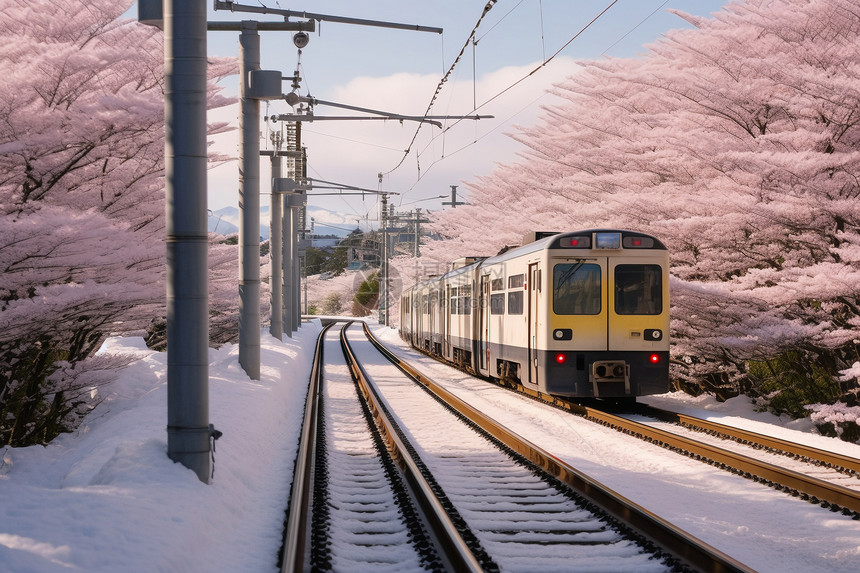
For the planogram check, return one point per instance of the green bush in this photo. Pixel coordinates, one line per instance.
(790, 382)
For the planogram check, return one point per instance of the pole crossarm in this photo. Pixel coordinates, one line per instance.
(219, 26)
(236, 7)
(287, 185)
(311, 117)
(280, 153)
(293, 99)
(345, 187)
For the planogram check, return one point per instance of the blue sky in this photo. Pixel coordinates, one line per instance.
(397, 71)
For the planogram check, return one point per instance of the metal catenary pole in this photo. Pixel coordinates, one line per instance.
(188, 429)
(383, 267)
(276, 326)
(249, 201)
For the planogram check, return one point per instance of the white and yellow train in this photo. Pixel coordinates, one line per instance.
(578, 314)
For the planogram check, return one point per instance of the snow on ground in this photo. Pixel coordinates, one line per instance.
(106, 498)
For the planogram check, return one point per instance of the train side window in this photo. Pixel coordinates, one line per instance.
(497, 284)
(515, 302)
(638, 289)
(516, 281)
(576, 288)
(497, 303)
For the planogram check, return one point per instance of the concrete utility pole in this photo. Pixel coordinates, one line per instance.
(254, 85)
(298, 235)
(189, 433)
(417, 220)
(383, 266)
(276, 326)
(249, 204)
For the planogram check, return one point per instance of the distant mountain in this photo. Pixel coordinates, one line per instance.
(225, 221)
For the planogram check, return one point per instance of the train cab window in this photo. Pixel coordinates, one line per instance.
(576, 288)
(638, 289)
(497, 303)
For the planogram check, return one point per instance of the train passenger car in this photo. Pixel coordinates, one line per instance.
(577, 314)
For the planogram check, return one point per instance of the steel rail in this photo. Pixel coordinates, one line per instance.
(295, 534)
(695, 552)
(823, 457)
(817, 490)
(455, 549)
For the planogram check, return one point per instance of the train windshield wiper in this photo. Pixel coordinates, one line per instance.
(569, 273)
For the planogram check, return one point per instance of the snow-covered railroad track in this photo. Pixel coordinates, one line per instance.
(830, 480)
(838, 462)
(831, 467)
(521, 518)
(835, 491)
(349, 509)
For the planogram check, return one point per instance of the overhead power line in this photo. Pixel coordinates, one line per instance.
(444, 79)
(471, 36)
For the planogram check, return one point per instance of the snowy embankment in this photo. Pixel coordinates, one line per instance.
(106, 498)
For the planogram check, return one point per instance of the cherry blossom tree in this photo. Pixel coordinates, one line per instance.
(736, 142)
(81, 200)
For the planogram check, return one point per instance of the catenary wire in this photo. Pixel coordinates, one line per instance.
(497, 95)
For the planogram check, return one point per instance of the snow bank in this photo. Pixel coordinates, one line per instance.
(107, 498)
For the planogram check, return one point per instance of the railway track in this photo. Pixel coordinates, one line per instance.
(798, 481)
(815, 456)
(837, 489)
(838, 493)
(488, 500)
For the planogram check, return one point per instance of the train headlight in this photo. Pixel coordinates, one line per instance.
(653, 334)
(562, 334)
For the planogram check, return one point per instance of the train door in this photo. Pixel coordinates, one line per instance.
(534, 288)
(446, 324)
(418, 313)
(483, 332)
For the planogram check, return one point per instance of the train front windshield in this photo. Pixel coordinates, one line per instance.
(576, 288)
(638, 289)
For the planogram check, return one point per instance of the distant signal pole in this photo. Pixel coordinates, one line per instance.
(453, 202)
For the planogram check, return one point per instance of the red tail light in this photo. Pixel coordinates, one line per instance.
(654, 359)
(560, 358)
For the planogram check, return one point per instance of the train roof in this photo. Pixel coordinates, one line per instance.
(554, 241)
(548, 241)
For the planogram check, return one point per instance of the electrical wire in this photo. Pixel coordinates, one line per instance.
(487, 8)
(631, 30)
